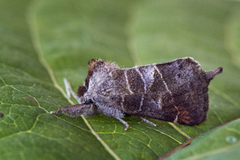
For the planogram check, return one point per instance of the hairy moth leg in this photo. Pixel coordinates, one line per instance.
(69, 90)
(149, 122)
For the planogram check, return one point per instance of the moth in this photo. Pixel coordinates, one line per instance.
(175, 91)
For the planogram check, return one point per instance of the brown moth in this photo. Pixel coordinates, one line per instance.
(175, 91)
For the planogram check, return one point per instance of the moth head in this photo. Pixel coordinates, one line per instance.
(98, 72)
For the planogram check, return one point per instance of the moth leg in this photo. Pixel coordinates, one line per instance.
(123, 122)
(78, 110)
(149, 122)
(69, 90)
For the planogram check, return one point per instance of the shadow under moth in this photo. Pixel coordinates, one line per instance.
(175, 91)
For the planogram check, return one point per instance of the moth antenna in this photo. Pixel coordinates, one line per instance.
(211, 74)
(67, 87)
(69, 90)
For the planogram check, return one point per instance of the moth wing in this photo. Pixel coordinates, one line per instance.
(165, 107)
(151, 105)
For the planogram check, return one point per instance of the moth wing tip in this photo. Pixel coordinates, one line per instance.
(213, 73)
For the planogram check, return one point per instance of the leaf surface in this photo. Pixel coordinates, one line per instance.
(219, 143)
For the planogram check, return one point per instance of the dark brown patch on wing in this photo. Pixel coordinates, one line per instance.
(135, 81)
(183, 116)
(168, 109)
(157, 85)
(131, 103)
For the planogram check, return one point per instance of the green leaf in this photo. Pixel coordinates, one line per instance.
(219, 143)
(44, 41)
